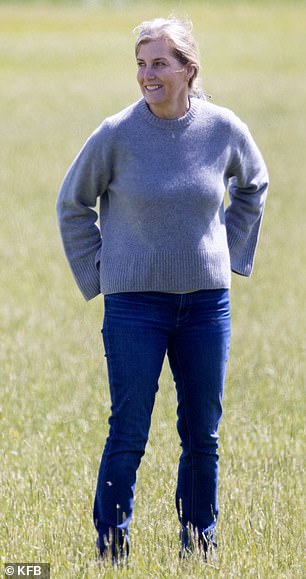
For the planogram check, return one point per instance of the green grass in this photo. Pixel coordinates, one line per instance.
(62, 70)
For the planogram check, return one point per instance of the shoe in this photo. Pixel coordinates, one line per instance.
(112, 551)
(193, 543)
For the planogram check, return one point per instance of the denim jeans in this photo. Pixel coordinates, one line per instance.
(139, 329)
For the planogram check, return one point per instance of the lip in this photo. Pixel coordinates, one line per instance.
(152, 87)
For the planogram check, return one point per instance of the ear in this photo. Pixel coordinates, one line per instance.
(190, 70)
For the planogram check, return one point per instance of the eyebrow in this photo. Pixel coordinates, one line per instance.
(154, 59)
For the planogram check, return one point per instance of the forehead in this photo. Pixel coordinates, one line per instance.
(154, 49)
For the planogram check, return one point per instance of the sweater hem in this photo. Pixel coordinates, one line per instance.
(165, 271)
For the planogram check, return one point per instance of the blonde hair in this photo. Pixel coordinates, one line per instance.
(179, 35)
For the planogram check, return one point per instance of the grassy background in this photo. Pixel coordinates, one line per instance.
(63, 69)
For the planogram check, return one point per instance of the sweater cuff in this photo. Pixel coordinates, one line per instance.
(242, 250)
(87, 277)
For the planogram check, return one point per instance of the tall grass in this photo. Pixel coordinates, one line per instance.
(63, 69)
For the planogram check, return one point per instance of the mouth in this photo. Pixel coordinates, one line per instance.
(152, 87)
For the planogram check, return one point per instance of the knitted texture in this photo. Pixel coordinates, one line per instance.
(161, 185)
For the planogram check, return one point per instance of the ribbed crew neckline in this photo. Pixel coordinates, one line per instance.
(169, 123)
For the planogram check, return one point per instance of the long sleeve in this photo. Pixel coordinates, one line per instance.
(77, 197)
(159, 184)
(247, 190)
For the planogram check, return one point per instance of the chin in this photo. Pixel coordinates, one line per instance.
(153, 100)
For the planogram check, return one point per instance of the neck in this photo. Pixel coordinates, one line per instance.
(171, 112)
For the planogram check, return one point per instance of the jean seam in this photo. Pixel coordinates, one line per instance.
(192, 508)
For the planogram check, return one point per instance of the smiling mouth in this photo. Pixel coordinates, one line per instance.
(153, 87)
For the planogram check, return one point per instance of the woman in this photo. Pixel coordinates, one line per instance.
(162, 257)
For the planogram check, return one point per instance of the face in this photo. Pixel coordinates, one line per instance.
(163, 80)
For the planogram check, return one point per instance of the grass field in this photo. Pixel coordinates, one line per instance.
(63, 69)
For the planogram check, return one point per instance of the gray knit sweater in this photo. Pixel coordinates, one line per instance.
(161, 185)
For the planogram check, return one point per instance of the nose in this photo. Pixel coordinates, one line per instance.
(149, 72)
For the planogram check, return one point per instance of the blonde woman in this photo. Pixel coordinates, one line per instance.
(162, 256)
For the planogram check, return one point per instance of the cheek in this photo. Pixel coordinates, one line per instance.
(180, 85)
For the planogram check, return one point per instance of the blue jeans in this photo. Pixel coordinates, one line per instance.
(138, 330)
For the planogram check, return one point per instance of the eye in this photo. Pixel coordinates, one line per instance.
(140, 64)
(160, 64)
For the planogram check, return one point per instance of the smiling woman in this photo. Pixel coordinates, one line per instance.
(163, 84)
(163, 259)
(168, 66)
